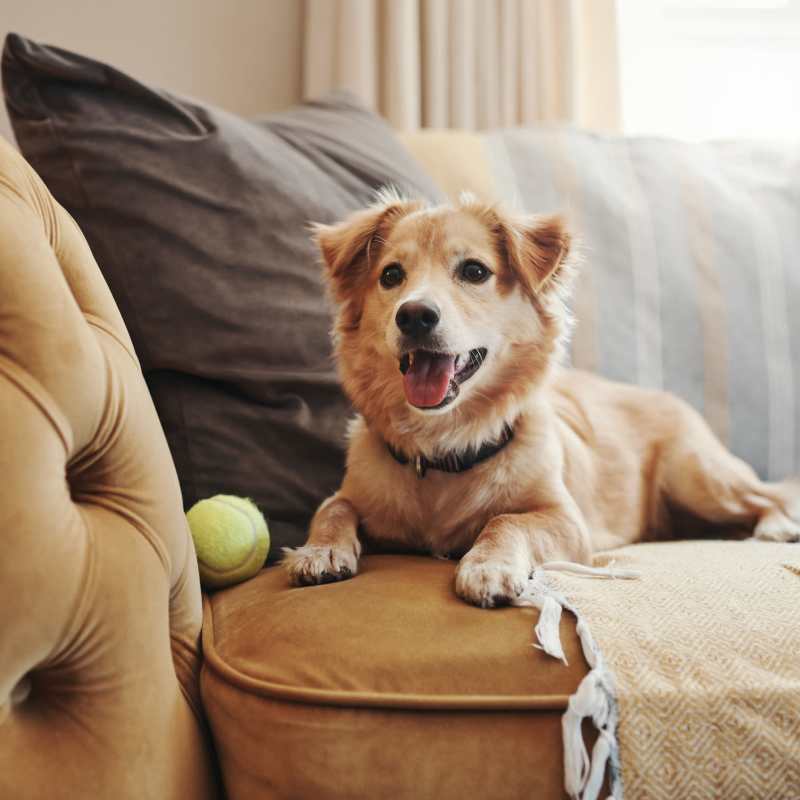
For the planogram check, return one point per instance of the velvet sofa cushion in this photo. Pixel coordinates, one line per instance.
(303, 687)
(198, 220)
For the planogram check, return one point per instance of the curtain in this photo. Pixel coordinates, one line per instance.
(471, 64)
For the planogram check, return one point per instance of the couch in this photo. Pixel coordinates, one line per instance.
(101, 663)
(119, 679)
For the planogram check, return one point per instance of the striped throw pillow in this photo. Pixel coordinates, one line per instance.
(691, 276)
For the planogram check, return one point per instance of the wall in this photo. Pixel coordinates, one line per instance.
(244, 55)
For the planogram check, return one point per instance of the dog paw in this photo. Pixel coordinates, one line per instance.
(313, 564)
(775, 526)
(489, 583)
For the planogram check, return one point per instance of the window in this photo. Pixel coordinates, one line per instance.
(700, 69)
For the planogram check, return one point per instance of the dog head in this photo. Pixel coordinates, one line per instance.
(446, 316)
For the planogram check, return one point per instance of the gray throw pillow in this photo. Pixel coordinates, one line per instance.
(198, 220)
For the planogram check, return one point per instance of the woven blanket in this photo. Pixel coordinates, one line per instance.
(705, 650)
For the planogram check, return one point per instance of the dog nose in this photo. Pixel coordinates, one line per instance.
(416, 318)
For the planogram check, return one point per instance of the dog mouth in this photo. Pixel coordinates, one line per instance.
(432, 379)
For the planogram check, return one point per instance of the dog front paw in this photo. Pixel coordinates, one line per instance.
(490, 582)
(313, 564)
(775, 526)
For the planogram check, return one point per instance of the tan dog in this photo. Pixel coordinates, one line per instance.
(471, 440)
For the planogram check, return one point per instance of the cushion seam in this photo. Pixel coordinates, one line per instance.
(96, 322)
(40, 397)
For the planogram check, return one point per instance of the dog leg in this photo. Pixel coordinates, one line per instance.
(700, 476)
(497, 567)
(332, 550)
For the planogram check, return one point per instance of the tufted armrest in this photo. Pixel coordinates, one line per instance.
(100, 608)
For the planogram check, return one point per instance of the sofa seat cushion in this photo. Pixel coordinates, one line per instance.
(306, 686)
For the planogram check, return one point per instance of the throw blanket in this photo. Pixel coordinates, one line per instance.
(705, 650)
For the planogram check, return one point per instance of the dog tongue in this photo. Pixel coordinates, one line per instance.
(426, 380)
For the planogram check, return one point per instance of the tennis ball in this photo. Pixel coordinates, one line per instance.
(231, 539)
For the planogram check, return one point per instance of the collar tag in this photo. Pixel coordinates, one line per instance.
(419, 466)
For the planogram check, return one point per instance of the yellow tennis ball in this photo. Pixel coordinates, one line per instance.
(231, 539)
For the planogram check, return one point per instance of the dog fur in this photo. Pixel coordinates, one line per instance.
(592, 464)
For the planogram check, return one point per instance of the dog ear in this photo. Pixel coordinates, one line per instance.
(537, 250)
(349, 248)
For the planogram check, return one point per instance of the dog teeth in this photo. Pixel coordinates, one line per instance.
(406, 361)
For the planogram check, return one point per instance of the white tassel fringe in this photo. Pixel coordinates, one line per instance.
(584, 775)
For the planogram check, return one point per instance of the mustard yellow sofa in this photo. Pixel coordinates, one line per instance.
(386, 686)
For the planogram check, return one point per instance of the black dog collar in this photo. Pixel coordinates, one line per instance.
(455, 462)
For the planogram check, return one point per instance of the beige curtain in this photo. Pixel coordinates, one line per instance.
(472, 64)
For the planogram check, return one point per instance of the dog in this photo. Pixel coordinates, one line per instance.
(471, 439)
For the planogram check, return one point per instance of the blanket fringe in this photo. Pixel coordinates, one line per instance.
(584, 775)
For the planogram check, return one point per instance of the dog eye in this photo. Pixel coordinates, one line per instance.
(392, 276)
(474, 272)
